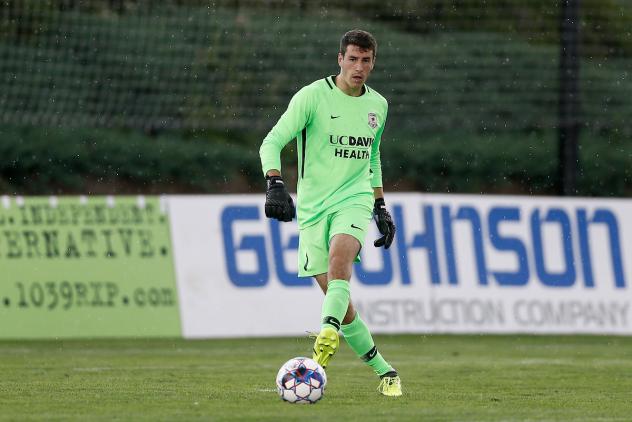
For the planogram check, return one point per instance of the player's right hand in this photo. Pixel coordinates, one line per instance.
(279, 204)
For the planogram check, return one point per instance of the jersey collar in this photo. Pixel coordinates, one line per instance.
(333, 85)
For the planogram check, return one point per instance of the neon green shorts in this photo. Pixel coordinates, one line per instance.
(313, 244)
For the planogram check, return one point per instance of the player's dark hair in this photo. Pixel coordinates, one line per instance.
(358, 37)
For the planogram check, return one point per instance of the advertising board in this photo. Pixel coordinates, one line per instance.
(86, 267)
(459, 263)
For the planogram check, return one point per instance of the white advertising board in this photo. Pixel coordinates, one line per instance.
(459, 264)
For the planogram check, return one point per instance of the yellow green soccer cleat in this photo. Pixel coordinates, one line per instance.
(325, 346)
(390, 386)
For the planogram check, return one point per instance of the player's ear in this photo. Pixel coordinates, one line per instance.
(340, 59)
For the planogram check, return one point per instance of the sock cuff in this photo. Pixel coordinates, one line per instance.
(338, 285)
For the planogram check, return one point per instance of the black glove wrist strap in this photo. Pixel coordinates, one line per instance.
(274, 181)
(379, 203)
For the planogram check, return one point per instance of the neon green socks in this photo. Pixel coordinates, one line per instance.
(335, 304)
(356, 333)
(359, 338)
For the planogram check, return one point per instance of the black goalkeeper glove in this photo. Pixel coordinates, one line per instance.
(384, 224)
(279, 203)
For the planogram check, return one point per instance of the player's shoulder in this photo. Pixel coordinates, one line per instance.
(376, 96)
(319, 85)
(314, 89)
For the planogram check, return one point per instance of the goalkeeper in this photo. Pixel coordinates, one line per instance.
(338, 123)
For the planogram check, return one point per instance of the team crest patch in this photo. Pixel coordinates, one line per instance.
(373, 120)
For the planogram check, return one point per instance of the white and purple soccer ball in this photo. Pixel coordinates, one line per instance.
(301, 380)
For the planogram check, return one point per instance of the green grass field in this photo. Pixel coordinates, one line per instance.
(464, 378)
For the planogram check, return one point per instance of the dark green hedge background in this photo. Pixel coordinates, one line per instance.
(138, 96)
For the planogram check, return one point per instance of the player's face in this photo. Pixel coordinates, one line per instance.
(355, 66)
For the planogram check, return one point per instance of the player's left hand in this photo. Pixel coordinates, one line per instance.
(384, 224)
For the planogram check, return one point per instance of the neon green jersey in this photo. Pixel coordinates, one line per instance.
(338, 144)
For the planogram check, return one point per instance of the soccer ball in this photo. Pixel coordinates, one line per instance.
(301, 380)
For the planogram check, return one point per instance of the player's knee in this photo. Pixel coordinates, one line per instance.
(339, 267)
(339, 273)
